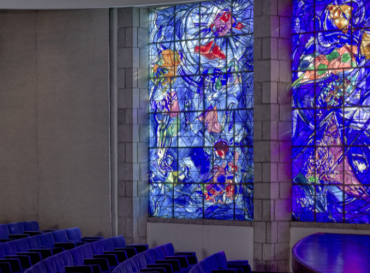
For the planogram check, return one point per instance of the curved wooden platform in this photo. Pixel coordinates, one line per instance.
(334, 253)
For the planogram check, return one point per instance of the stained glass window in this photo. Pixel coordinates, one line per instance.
(201, 111)
(331, 111)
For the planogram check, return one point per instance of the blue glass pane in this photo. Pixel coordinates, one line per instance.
(201, 110)
(160, 200)
(188, 29)
(242, 11)
(188, 202)
(240, 90)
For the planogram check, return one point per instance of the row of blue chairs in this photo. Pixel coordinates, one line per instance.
(19, 230)
(102, 256)
(217, 263)
(13, 231)
(160, 259)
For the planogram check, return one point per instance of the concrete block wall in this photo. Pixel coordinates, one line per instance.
(272, 117)
(132, 83)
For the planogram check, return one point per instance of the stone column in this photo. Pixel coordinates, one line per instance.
(132, 83)
(272, 144)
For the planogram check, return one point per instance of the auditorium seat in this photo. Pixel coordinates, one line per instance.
(23, 246)
(35, 242)
(106, 246)
(5, 235)
(110, 244)
(32, 228)
(83, 255)
(75, 235)
(217, 263)
(14, 263)
(38, 268)
(11, 248)
(48, 241)
(24, 260)
(224, 263)
(141, 260)
(120, 243)
(151, 259)
(61, 239)
(183, 260)
(170, 251)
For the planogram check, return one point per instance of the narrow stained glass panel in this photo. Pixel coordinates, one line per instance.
(331, 113)
(201, 111)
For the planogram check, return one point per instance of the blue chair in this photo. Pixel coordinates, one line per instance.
(120, 243)
(109, 245)
(183, 260)
(48, 241)
(9, 264)
(170, 251)
(75, 235)
(35, 243)
(31, 228)
(143, 263)
(151, 259)
(22, 248)
(64, 263)
(5, 235)
(224, 263)
(37, 268)
(61, 240)
(10, 249)
(126, 267)
(83, 255)
(106, 246)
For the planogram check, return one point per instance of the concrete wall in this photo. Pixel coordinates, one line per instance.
(205, 240)
(54, 119)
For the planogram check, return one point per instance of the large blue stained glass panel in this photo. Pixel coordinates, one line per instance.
(331, 113)
(201, 111)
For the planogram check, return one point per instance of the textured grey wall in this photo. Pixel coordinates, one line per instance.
(54, 119)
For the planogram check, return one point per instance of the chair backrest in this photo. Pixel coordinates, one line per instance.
(22, 245)
(60, 236)
(74, 234)
(199, 268)
(141, 259)
(134, 264)
(4, 231)
(31, 226)
(10, 248)
(108, 244)
(168, 249)
(150, 256)
(67, 257)
(59, 262)
(128, 267)
(34, 242)
(78, 256)
(50, 265)
(159, 253)
(37, 268)
(47, 239)
(16, 228)
(87, 251)
(212, 262)
(97, 247)
(221, 258)
(119, 241)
